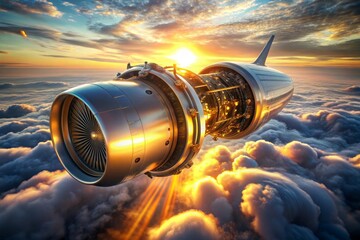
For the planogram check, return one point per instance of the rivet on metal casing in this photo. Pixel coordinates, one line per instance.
(195, 147)
(189, 164)
(145, 70)
(180, 84)
(193, 112)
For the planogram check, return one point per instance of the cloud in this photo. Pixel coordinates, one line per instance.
(279, 192)
(17, 110)
(219, 160)
(206, 22)
(26, 164)
(31, 7)
(34, 85)
(352, 89)
(96, 59)
(81, 43)
(206, 191)
(226, 28)
(167, 26)
(12, 64)
(191, 224)
(29, 137)
(329, 130)
(312, 48)
(48, 33)
(67, 4)
(9, 154)
(355, 160)
(287, 15)
(263, 203)
(60, 207)
(39, 32)
(334, 123)
(301, 153)
(244, 162)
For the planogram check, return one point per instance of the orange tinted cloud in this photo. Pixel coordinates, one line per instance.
(191, 224)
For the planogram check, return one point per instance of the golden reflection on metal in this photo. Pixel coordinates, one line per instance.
(153, 119)
(122, 143)
(128, 83)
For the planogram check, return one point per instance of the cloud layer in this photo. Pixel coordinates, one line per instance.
(30, 7)
(272, 192)
(297, 177)
(16, 110)
(53, 205)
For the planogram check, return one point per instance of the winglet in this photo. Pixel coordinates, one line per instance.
(264, 53)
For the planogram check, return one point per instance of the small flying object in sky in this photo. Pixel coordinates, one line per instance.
(23, 33)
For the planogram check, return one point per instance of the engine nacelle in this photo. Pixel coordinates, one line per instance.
(153, 120)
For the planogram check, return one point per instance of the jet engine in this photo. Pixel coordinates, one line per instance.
(152, 120)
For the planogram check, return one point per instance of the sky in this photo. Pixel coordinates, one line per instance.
(297, 177)
(109, 34)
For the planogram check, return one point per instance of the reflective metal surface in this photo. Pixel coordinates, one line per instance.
(153, 120)
(137, 126)
(270, 90)
(187, 111)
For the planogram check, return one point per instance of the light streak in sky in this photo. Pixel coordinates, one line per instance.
(155, 205)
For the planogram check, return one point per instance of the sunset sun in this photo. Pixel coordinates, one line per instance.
(184, 57)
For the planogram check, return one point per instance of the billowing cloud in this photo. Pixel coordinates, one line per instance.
(59, 207)
(9, 154)
(191, 224)
(17, 110)
(29, 137)
(352, 89)
(325, 129)
(301, 153)
(41, 157)
(355, 160)
(31, 7)
(280, 192)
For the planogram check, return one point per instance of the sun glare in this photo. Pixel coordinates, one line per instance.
(184, 57)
